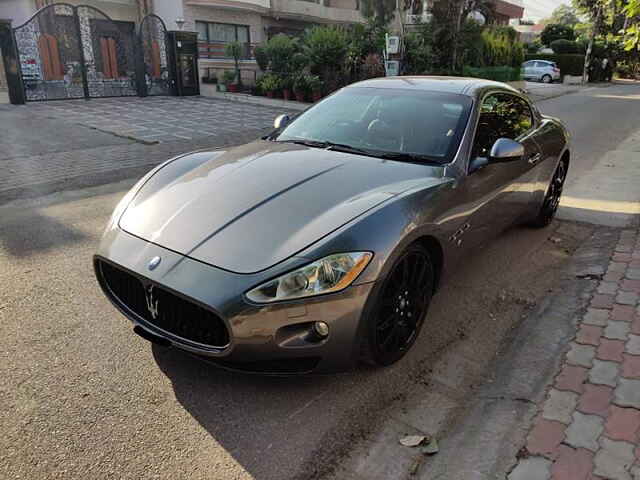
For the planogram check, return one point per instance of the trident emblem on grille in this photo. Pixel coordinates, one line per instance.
(152, 303)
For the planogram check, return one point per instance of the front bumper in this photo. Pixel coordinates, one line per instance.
(269, 339)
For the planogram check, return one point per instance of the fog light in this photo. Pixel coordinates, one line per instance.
(321, 329)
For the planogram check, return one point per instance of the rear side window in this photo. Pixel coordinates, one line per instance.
(502, 115)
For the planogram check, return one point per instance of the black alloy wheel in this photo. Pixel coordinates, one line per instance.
(400, 308)
(547, 79)
(552, 199)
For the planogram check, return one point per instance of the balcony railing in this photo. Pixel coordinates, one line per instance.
(315, 10)
(217, 50)
(418, 18)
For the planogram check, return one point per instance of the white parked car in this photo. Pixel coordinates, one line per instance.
(541, 71)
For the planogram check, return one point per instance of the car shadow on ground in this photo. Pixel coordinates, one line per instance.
(32, 232)
(254, 417)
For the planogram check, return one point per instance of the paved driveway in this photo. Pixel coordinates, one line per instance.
(161, 119)
(46, 147)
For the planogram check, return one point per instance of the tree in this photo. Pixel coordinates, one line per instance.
(631, 30)
(564, 15)
(554, 32)
(234, 50)
(449, 19)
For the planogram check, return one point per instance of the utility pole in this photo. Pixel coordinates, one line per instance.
(587, 57)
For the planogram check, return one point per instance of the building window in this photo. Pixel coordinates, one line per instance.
(213, 37)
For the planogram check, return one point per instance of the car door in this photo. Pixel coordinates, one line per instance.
(536, 70)
(529, 69)
(500, 193)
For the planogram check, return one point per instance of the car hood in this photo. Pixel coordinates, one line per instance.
(251, 207)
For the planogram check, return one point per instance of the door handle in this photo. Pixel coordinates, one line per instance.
(535, 158)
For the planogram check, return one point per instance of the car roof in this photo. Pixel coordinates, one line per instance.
(459, 85)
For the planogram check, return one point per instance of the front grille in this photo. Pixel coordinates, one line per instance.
(174, 314)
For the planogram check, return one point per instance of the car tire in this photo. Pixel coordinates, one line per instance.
(547, 79)
(551, 201)
(399, 308)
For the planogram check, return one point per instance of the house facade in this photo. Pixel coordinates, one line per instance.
(250, 22)
(217, 22)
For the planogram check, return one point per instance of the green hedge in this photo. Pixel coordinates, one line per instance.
(499, 74)
(569, 64)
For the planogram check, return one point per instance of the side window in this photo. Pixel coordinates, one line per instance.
(501, 116)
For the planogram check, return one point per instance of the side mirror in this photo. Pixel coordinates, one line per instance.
(506, 150)
(281, 121)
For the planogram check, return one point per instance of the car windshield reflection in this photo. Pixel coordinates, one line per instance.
(388, 123)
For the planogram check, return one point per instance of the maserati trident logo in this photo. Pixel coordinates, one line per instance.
(154, 262)
(152, 303)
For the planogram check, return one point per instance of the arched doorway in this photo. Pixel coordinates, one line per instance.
(152, 39)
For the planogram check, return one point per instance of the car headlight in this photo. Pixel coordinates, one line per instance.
(329, 274)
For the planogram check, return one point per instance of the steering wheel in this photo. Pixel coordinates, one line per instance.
(380, 130)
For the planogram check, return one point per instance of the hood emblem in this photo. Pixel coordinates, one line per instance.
(154, 262)
(152, 303)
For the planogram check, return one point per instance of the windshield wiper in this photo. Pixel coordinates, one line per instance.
(303, 141)
(338, 147)
(409, 157)
(341, 147)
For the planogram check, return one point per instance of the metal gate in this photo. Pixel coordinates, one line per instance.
(71, 51)
(152, 39)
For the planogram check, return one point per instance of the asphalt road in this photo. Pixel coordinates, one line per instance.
(82, 397)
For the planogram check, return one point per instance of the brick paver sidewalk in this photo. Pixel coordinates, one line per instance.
(589, 424)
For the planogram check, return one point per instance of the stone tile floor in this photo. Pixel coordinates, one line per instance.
(160, 119)
(589, 425)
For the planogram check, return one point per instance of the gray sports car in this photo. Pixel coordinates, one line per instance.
(321, 244)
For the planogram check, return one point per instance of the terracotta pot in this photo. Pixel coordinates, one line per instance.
(270, 94)
(317, 96)
(299, 96)
(286, 93)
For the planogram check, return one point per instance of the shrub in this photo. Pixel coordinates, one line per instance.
(553, 32)
(499, 74)
(270, 82)
(314, 82)
(498, 50)
(262, 58)
(326, 49)
(564, 46)
(300, 83)
(280, 50)
(567, 63)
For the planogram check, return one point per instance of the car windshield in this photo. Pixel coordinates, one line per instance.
(398, 124)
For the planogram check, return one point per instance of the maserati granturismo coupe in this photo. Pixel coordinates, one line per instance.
(321, 245)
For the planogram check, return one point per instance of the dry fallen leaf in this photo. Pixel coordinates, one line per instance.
(412, 440)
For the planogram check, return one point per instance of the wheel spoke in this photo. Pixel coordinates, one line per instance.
(386, 323)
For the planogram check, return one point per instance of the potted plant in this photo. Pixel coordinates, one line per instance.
(315, 85)
(300, 87)
(227, 80)
(234, 50)
(270, 83)
(287, 85)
